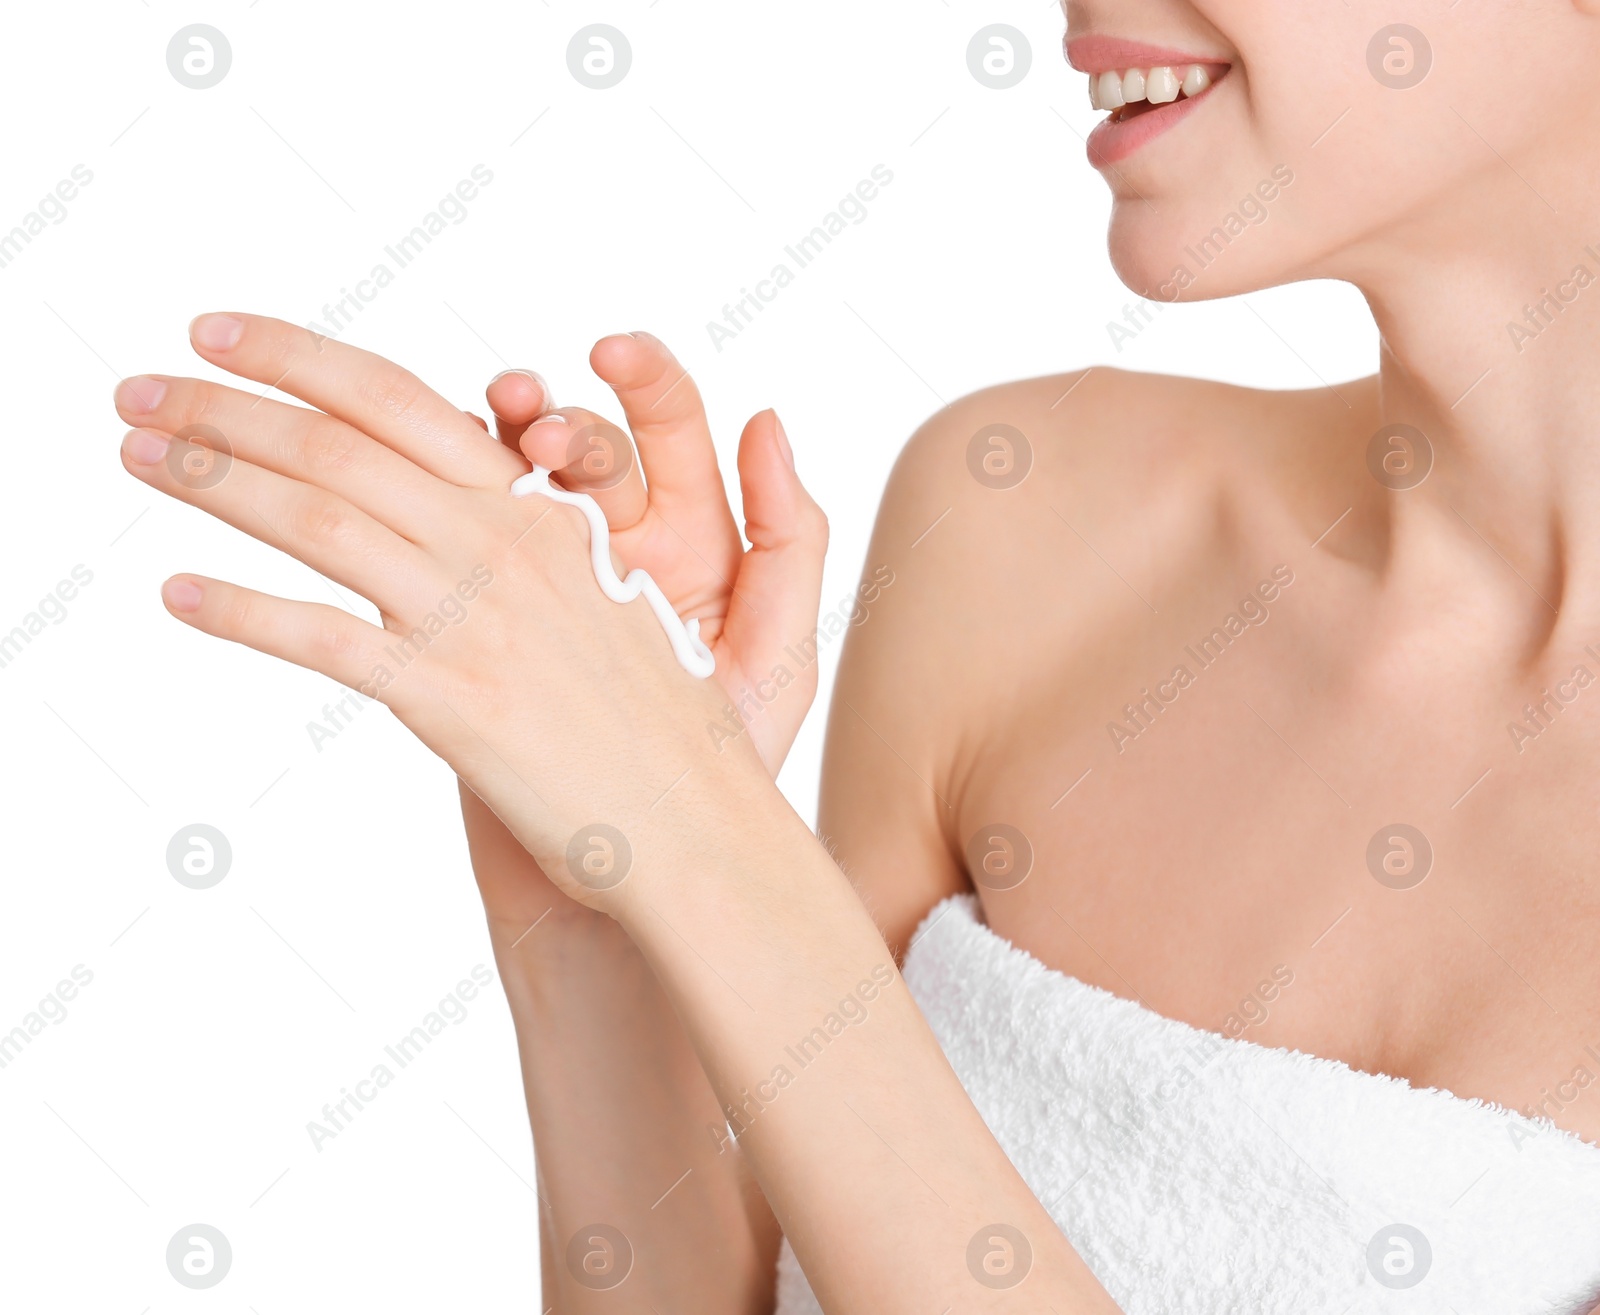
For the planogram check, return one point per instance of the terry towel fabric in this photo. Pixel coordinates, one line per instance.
(1198, 1175)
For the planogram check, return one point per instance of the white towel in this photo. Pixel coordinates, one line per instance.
(1198, 1175)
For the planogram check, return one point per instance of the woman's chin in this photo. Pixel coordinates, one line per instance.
(1159, 266)
(1151, 267)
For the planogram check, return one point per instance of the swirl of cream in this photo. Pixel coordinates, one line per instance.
(687, 646)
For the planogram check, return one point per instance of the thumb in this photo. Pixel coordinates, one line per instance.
(772, 614)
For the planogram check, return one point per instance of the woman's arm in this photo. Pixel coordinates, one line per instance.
(882, 1144)
(893, 1193)
(890, 1188)
(619, 1107)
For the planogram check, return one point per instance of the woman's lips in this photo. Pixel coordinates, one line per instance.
(1097, 54)
(1148, 89)
(1116, 138)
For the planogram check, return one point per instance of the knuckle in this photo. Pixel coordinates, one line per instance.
(814, 523)
(392, 392)
(334, 644)
(283, 351)
(327, 448)
(237, 615)
(321, 520)
(201, 402)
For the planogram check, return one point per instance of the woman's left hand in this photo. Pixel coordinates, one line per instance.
(564, 711)
(660, 489)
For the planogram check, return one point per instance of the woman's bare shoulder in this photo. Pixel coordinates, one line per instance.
(1157, 466)
(1025, 528)
(1103, 426)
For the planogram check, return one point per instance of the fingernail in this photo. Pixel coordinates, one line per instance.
(783, 441)
(533, 377)
(551, 418)
(140, 394)
(216, 333)
(144, 447)
(181, 595)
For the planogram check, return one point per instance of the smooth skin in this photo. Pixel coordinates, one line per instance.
(1182, 868)
(584, 1000)
(876, 1166)
(1231, 837)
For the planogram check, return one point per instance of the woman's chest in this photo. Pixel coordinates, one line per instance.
(1405, 877)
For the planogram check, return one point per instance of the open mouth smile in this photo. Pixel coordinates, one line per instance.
(1135, 91)
(1146, 89)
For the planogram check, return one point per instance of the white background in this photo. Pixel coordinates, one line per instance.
(218, 1022)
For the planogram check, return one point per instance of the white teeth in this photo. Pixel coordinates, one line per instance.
(1109, 86)
(1161, 86)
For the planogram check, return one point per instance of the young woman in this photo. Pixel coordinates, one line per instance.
(1263, 728)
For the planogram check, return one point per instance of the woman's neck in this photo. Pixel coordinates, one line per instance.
(1491, 348)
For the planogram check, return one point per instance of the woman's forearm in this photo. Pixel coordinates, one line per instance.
(618, 1104)
(622, 1118)
(892, 1191)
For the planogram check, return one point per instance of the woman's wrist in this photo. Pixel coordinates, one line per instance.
(753, 890)
(708, 839)
(614, 835)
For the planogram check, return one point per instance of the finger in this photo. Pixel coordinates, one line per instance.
(376, 396)
(667, 419)
(311, 635)
(478, 420)
(291, 440)
(517, 398)
(779, 585)
(588, 454)
(319, 528)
